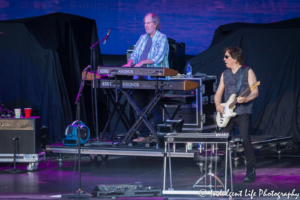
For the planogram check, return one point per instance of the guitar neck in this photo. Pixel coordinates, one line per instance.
(242, 95)
(245, 92)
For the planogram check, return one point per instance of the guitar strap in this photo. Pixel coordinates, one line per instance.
(239, 83)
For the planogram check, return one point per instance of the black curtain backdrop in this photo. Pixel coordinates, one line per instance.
(274, 55)
(41, 59)
(226, 30)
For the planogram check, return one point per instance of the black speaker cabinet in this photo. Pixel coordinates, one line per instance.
(177, 56)
(26, 129)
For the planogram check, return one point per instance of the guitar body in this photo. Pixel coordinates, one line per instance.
(223, 119)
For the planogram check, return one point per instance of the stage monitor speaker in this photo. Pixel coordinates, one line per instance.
(26, 129)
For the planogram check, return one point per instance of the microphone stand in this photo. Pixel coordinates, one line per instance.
(16, 141)
(93, 61)
(79, 193)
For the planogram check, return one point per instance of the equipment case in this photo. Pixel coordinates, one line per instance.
(201, 114)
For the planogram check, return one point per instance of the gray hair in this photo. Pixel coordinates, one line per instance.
(155, 20)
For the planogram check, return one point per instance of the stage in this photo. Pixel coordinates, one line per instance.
(145, 166)
(49, 49)
(272, 174)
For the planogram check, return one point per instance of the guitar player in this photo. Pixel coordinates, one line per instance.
(234, 80)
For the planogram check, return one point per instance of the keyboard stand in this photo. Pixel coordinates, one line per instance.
(142, 115)
(158, 86)
(119, 108)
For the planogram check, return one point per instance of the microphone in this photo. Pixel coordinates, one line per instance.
(89, 66)
(107, 35)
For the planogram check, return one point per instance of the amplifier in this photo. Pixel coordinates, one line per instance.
(26, 129)
(177, 56)
(200, 114)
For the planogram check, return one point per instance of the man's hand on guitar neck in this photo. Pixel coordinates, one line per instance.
(220, 108)
(241, 100)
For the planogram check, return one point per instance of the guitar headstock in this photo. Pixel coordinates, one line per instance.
(254, 85)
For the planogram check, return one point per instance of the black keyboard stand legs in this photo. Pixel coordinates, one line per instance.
(142, 118)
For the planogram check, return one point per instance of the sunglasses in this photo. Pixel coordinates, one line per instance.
(226, 57)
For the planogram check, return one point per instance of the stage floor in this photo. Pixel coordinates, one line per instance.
(272, 174)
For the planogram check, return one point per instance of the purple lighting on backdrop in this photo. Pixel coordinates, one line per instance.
(192, 21)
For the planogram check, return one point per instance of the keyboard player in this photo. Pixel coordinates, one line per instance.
(151, 50)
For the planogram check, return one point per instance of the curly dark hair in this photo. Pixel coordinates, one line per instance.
(236, 53)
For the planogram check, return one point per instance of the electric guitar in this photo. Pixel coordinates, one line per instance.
(222, 119)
